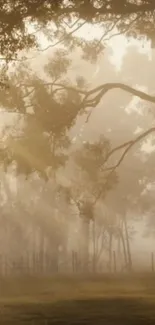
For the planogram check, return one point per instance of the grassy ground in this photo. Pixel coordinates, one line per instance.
(119, 300)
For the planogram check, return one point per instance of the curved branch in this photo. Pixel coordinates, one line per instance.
(128, 146)
(100, 90)
(103, 89)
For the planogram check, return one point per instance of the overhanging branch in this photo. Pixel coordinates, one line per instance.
(98, 92)
(103, 89)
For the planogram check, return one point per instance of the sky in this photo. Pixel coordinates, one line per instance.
(119, 44)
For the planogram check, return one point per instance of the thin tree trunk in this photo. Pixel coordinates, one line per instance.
(94, 247)
(119, 247)
(124, 247)
(85, 244)
(110, 251)
(41, 252)
(127, 244)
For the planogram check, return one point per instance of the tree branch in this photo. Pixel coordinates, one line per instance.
(100, 90)
(125, 29)
(103, 89)
(128, 146)
(63, 38)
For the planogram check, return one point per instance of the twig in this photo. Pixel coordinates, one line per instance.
(63, 38)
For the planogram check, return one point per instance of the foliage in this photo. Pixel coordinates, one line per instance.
(45, 112)
(56, 17)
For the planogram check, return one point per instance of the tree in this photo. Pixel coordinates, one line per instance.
(55, 18)
(37, 144)
(129, 16)
(45, 113)
(87, 184)
(43, 129)
(28, 216)
(89, 12)
(27, 167)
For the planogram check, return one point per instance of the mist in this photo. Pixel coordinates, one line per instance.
(45, 219)
(77, 152)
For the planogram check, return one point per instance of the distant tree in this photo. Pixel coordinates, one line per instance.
(28, 216)
(87, 183)
(37, 143)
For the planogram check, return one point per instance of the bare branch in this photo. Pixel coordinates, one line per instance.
(107, 32)
(59, 86)
(103, 89)
(113, 26)
(63, 38)
(129, 145)
(118, 148)
(73, 24)
(126, 29)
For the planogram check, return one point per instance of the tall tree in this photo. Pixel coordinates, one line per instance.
(87, 183)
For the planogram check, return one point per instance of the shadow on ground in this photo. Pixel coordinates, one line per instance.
(93, 312)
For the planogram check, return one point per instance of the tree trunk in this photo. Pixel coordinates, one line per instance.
(110, 251)
(127, 244)
(84, 240)
(55, 260)
(94, 247)
(124, 247)
(41, 251)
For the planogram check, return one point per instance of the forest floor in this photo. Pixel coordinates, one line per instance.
(109, 300)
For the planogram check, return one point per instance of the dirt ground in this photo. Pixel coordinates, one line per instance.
(109, 300)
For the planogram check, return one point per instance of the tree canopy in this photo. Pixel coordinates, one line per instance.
(58, 20)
